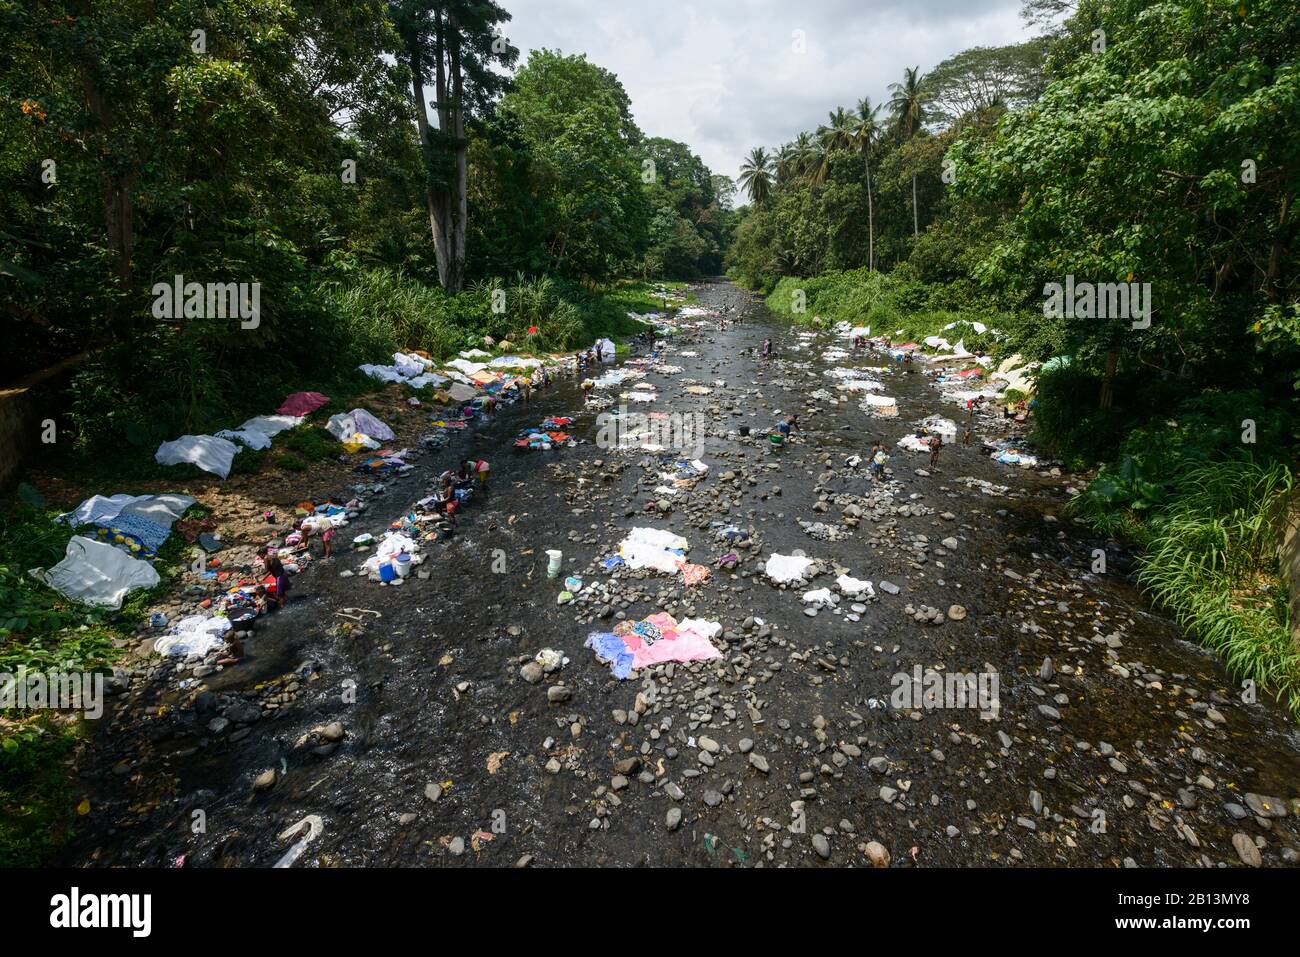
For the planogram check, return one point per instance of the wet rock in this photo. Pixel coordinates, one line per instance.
(822, 846)
(1266, 806)
(1246, 850)
(532, 672)
(674, 818)
(556, 694)
(877, 854)
(264, 780)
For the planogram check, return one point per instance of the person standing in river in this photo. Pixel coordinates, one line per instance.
(275, 568)
(936, 443)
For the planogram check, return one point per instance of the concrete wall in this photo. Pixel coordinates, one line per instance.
(23, 407)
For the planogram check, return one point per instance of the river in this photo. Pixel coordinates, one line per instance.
(1134, 746)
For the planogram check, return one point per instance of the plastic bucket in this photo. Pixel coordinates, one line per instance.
(402, 565)
(386, 572)
(553, 559)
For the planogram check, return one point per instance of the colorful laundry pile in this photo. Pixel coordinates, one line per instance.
(548, 435)
(634, 645)
(385, 462)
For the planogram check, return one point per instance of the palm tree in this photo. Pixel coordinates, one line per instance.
(786, 162)
(756, 175)
(865, 132)
(837, 136)
(907, 110)
(907, 105)
(806, 154)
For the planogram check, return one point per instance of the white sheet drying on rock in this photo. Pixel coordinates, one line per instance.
(855, 587)
(195, 635)
(784, 569)
(821, 598)
(96, 573)
(653, 548)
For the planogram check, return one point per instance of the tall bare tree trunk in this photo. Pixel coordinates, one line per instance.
(449, 212)
(426, 149)
(871, 223)
(461, 198)
(916, 229)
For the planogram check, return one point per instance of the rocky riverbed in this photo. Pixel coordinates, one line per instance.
(430, 733)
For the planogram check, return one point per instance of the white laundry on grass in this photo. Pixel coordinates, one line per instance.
(97, 573)
(102, 509)
(205, 451)
(258, 431)
(465, 367)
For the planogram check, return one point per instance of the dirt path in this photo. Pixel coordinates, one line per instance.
(1130, 745)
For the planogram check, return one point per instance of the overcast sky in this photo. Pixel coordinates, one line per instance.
(723, 76)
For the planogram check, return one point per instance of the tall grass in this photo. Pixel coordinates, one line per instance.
(904, 309)
(1212, 560)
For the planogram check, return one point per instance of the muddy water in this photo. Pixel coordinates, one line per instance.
(438, 698)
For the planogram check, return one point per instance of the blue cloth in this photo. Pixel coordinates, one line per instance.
(609, 647)
(150, 534)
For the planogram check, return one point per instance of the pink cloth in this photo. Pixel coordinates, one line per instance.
(302, 403)
(682, 646)
(675, 645)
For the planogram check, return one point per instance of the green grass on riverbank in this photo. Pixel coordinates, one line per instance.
(187, 379)
(903, 310)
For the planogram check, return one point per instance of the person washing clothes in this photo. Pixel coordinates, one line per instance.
(275, 568)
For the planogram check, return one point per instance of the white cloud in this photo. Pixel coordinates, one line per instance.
(724, 77)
